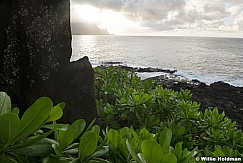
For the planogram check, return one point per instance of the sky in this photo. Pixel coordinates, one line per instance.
(219, 18)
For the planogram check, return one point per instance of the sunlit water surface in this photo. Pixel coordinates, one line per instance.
(205, 59)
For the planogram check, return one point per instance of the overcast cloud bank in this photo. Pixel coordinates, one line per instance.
(222, 16)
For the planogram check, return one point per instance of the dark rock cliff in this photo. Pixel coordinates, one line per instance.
(35, 49)
(87, 29)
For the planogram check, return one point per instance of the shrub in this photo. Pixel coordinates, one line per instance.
(23, 140)
(129, 101)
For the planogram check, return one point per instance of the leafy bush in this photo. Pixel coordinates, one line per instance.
(123, 99)
(85, 150)
(24, 141)
(21, 138)
(127, 145)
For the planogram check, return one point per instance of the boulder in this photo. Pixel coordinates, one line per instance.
(35, 51)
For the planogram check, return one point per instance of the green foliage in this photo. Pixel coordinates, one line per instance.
(34, 118)
(21, 138)
(88, 144)
(112, 138)
(66, 148)
(9, 124)
(141, 123)
(127, 145)
(5, 103)
(152, 151)
(123, 99)
(55, 113)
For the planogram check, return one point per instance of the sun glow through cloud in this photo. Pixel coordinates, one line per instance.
(87, 13)
(114, 22)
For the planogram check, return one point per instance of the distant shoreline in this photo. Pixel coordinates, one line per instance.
(162, 36)
(169, 74)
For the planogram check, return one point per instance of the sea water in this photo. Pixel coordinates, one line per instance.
(207, 59)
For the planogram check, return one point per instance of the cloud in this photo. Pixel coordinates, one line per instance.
(178, 14)
(105, 4)
(239, 22)
(157, 14)
(172, 15)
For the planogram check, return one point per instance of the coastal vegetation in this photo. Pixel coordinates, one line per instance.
(138, 121)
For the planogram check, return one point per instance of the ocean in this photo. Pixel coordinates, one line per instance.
(207, 59)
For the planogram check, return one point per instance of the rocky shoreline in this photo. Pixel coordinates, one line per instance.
(225, 97)
(137, 69)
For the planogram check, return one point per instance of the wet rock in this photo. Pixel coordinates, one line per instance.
(137, 69)
(35, 49)
(111, 63)
(150, 69)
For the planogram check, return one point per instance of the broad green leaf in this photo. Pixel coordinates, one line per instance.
(123, 148)
(31, 140)
(164, 139)
(100, 153)
(145, 135)
(125, 133)
(185, 152)
(135, 135)
(5, 103)
(15, 111)
(35, 150)
(9, 125)
(61, 105)
(88, 144)
(78, 127)
(178, 150)
(169, 158)
(34, 117)
(66, 137)
(96, 129)
(61, 127)
(113, 137)
(132, 152)
(135, 143)
(152, 151)
(219, 153)
(55, 113)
